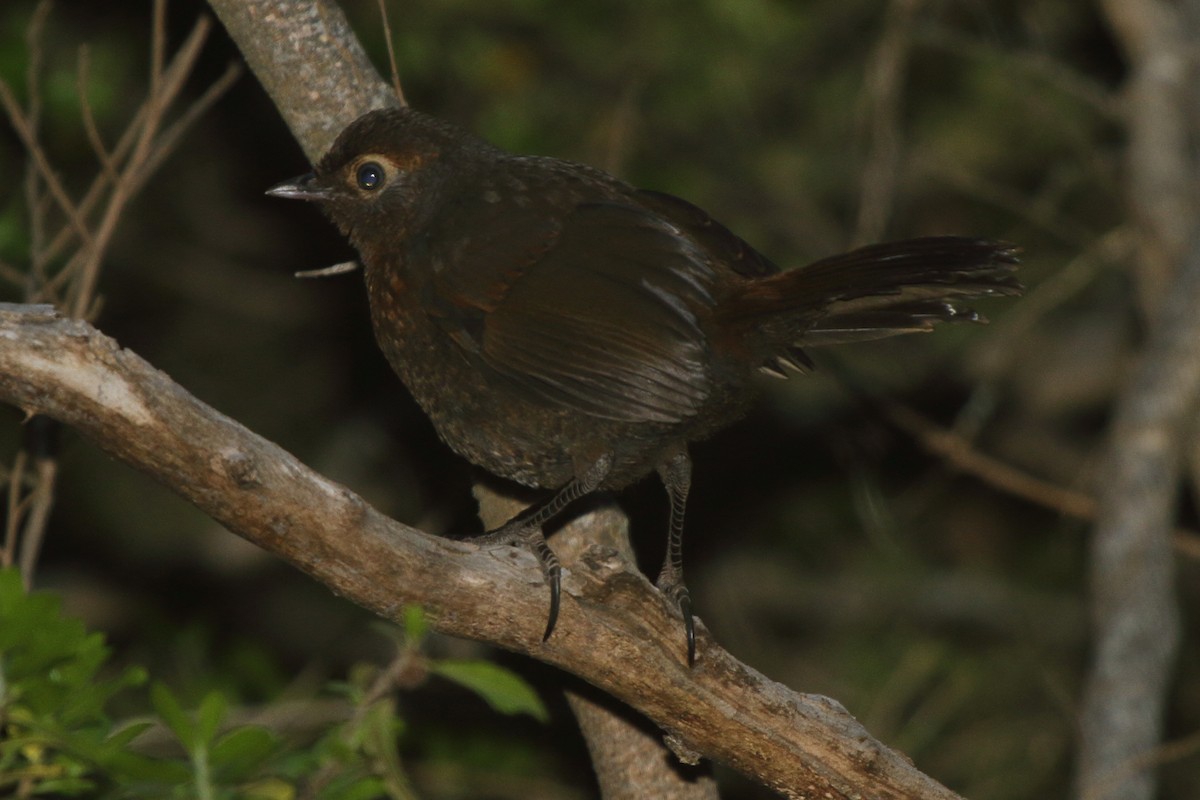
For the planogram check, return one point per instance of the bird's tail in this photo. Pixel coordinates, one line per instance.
(871, 293)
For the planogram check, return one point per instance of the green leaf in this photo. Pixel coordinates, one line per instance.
(12, 590)
(173, 715)
(66, 786)
(502, 689)
(127, 769)
(415, 625)
(377, 733)
(210, 715)
(126, 732)
(240, 752)
(352, 787)
(268, 789)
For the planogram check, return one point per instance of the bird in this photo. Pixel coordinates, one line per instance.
(569, 332)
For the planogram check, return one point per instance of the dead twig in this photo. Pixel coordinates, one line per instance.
(24, 125)
(960, 453)
(123, 171)
(885, 75)
(391, 51)
(1037, 65)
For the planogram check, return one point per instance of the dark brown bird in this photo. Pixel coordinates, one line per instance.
(567, 331)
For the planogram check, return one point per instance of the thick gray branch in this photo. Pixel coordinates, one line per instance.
(616, 631)
(1134, 608)
(1158, 39)
(309, 61)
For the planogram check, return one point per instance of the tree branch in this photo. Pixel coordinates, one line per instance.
(616, 631)
(309, 61)
(1134, 609)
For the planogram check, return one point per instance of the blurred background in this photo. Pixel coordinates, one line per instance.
(829, 543)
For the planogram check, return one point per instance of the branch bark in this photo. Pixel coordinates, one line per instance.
(1134, 609)
(309, 61)
(1135, 617)
(616, 631)
(1157, 38)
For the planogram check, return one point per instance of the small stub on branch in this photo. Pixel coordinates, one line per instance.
(682, 750)
(325, 272)
(31, 311)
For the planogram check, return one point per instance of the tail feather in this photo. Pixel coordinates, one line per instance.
(876, 291)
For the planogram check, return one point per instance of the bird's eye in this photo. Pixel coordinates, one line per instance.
(370, 176)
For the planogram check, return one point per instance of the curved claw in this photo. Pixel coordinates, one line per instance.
(554, 579)
(689, 626)
(520, 531)
(676, 592)
(552, 574)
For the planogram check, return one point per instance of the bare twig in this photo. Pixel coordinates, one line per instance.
(83, 79)
(33, 73)
(961, 454)
(1004, 347)
(41, 501)
(1042, 66)
(95, 192)
(325, 272)
(405, 669)
(391, 51)
(168, 140)
(14, 276)
(164, 87)
(124, 170)
(885, 89)
(30, 498)
(23, 125)
(31, 493)
(1118, 774)
(158, 45)
(619, 128)
(1056, 224)
(16, 508)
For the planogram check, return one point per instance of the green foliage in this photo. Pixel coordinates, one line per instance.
(52, 699)
(502, 689)
(58, 739)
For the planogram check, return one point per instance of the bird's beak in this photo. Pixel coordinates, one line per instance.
(301, 188)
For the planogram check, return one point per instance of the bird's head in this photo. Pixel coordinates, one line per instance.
(385, 173)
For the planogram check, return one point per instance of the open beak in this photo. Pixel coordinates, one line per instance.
(301, 188)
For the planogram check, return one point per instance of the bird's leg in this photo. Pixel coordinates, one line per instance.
(526, 529)
(676, 474)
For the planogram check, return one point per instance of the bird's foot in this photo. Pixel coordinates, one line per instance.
(517, 533)
(674, 590)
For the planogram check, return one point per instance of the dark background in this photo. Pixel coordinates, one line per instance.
(825, 548)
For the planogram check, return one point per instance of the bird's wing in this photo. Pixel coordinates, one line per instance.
(719, 242)
(595, 310)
